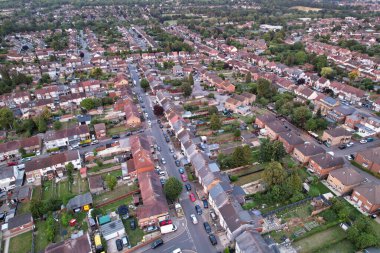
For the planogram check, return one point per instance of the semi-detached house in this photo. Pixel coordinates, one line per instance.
(11, 148)
(64, 137)
(48, 166)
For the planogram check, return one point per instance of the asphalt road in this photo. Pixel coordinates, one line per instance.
(195, 238)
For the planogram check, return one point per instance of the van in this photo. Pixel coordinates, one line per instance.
(124, 239)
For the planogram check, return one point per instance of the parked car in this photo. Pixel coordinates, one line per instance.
(343, 146)
(163, 160)
(363, 141)
(119, 244)
(207, 227)
(12, 163)
(194, 218)
(181, 170)
(183, 177)
(205, 203)
(132, 224)
(370, 139)
(94, 142)
(349, 157)
(188, 187)
(213, 239)
(177, 163)
(198, 209)
(213, 215)
(165, 222)
(350, 144)
(175, 157)
(192, 197)
(163, 181)
(115, 136)
(171, 150)
(157, 243)
(151, 229)
(125, 241)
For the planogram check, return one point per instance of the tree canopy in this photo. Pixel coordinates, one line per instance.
(173, 188)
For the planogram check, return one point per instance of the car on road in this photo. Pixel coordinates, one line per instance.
(151, 229)
(213, 215)
(158, 148)
(198, 209)
(350, 144)
(161, 126)
(212, 239)
(343, 146)
(149, 123)
(178, 250)
(163, 160)
(184, 178)
(192, 197)
(157, 243)
(363, 141)
(119, 244)
(26, 159)
(128, 134)
(12, 163)
(188, 187)
(171, 150)
(193, 219)
(132, 224)
(115, 136)
(163, 181)
(175, 157)
(349, 157)
(177, 163)
(370, 139)
(207, 227)
(181, 170)
(205, 203)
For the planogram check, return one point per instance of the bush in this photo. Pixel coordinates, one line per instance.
(329, 215)
(234, 178)
(52, 150)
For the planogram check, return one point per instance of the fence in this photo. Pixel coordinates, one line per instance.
(117, 199)
(287, 206)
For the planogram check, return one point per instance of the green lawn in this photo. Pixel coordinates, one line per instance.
(116, 130)
(134, 236)
(21, 243)
(117, 192)
(249, 178)
(23, 208)
(343, 246)
(320, 240)
(41, 239)
(302, 211)
(97, 168)
(113, 206)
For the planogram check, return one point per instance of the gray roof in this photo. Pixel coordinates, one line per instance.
(84, 118)
(112, 227)
(291, 138)
(337, 132)
(20, 220)
(309, 149)
(218, 195)
(250, 241)
(347, 176)
(79, 201)
(7, 173)
(329, 100)
(326, 161)
(345, 109)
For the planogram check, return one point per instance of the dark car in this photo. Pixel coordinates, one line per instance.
(128, 134)
(188, 187)
(177, 163)
(132, 224)
(115, 136)
(157, 243)
(343, 146)
(213, 239)
(119, 244)
(198, 209)
(205, 203)
(207, 227)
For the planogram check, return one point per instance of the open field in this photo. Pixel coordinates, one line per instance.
(21, 243)
(305, 8)
(135, 236)
(320, 240)
(342, 246)
(249, 178)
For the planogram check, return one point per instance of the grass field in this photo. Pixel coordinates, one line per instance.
(117, 192)
(305, 8)
(249, 178)
(113, 206)
(21, 243)
(320, 240)
(116, 130)
(41, 240)
(135, 236)
(343, 246)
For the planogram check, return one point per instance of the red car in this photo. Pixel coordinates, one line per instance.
(12, 163)
(192, 197)
(183, 177)
(165, 222)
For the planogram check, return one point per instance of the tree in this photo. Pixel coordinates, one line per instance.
(111, 181)
(172, 189)
(88, 103)
(144, 84)
(22, 151)
(70, 169)
(327, 72)
(212, 110)
(353, 74)
(248, 78)
(96, 73)
(300, 57)
(158, 110)
(186, 89)
(6, 118)
(41, 125)
(264, 88)
(57, 125)
(293, 184)
(191, 79)
(237, 133)
(215, 123)
(37, 208)
(271, 151)
(65, 218)
(45, 78)
(211, 95)
(50, 230)
(300, 115)
(362, 234)
(241, 156)
(274, 174)
(320, 62)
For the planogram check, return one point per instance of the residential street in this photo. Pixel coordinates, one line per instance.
(194, 233)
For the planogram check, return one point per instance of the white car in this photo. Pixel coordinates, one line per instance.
(194, 219)
(349, 144)
(171, 150)
(349, 157)
(149, 122)
(363, 141)
(163, 160)
(177, 250)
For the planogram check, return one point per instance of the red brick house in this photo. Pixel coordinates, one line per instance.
(262, 120)
(344, 180)
(20, 224)
(304, 152)
(370, 159)
(274, 128)
(367, 197)
(100, 131)
(323, 164)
